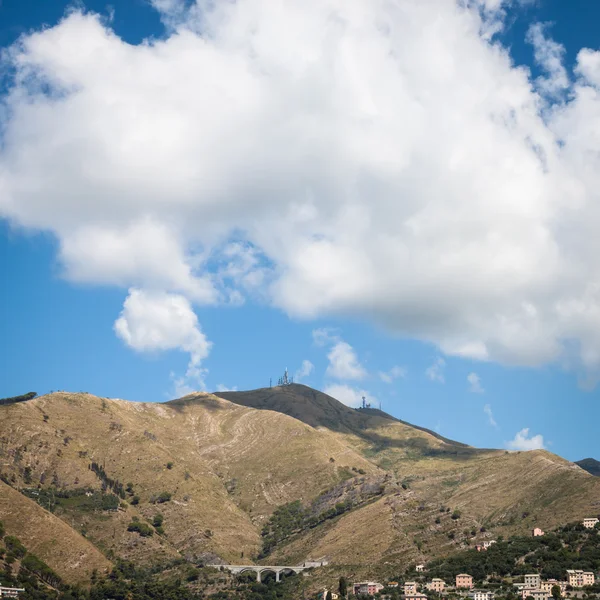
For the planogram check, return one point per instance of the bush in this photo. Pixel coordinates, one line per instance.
(158, 520)
(169, 465)
(1, 530)
(142, 528)
(456, 515)
(135, 500)
(161, 498)
(14, 546)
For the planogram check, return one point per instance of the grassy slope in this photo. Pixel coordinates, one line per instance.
(242, 462)
(58, 545)
(231, 467)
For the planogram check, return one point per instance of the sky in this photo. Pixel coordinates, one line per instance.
(396, 200)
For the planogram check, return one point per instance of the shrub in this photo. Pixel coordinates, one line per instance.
(161, 498)
(456, 515)
(142, 528)
(135, 500)
(169, 465)
(158, 520)
(14, 546)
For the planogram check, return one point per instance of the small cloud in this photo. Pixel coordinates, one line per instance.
(395, 372)
(522, 441)
(436, 371)
(325, 336)
(221, 387)
(487, 409)
(475, 383)
(343, 362)
(348, 395)
(304, 371)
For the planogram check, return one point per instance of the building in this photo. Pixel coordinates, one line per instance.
(415, 596)
(536, 594)
(590, 523)
(537, 532)
(578, 578)
(420, 568)
(367, 588)
(547, 586)
(410, 587)
(533, 580)
(320, 562)
(464, 581)
(392, 584)
(333, 595)
(8, 592)
(481, 595)
(484, 545)
(436, 585)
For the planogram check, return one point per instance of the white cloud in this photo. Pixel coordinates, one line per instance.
(304, 371)
(436, 371)
(343, 362)
(487, 409)
(378, 159)
(348, 395)
(550, 56)
(475, 383)
(156, 322)
(221, 387)
(325, 336)
(522, 441)
(395, 372)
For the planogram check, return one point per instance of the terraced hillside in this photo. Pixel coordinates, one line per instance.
(199, 478)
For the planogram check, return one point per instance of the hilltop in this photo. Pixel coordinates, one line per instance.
(591, 465)
(275, 475)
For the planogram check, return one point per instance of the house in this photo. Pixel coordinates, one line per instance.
(481, 595)
(484, 545)
(415, 596)
(333, 596)
(536, 594)
(436, 585)
(420, 568)
(392, 584)
(410, 587)
(320, 562)
(464, 581)
(578, 578)
(8, 592)
(537, 532)
(367, 588)
(533, 580)
(547, 586)
(590, 523)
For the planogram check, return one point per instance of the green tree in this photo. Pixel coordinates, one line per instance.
(555, 591)
(343, 587)
(329, 596)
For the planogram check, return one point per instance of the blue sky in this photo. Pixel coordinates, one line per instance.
(180, 212)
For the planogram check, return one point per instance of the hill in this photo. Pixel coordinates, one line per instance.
(49, 538)
(278, 475)
(591, 465)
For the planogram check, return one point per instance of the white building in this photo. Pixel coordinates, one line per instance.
(533, 580)
(480, 595)
(590, 522)
(8, 592)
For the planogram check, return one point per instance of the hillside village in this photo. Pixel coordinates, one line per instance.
(577, 583)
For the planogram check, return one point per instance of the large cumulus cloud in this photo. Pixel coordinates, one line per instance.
(377, 159)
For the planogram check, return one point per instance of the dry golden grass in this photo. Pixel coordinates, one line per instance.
(234, 461)
(58, 545)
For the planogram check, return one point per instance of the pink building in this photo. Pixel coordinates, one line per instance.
(537, 532)
(464, 581)
(367, 588)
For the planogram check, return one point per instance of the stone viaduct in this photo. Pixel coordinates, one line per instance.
(261, 569)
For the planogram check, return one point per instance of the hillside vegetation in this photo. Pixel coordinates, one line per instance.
(278, 476)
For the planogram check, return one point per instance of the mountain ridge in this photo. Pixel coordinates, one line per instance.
(225, 466)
